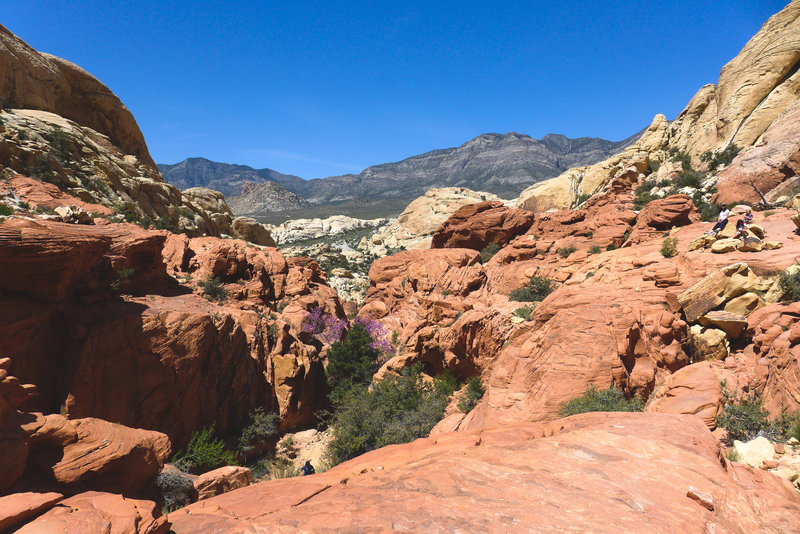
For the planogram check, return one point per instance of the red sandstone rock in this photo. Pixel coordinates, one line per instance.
(693, 390)
(600, 472)
(44, 195)
(99, 512)
(661, 215)
(476, 225)
(221, 481)
(19, 507)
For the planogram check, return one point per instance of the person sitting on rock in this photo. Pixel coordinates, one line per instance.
(741, 229)
(748, 216)
(307, 469)
(722, 220)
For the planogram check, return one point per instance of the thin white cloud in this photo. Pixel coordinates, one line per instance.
(293, 156)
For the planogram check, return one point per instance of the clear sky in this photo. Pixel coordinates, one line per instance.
(322, 88)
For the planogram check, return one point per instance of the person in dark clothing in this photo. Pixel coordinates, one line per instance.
(307, 469)
(722, 220)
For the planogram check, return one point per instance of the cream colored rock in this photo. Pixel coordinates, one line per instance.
(745, 304)
(731, 323)
(754, 452)
(708, 343)
(715, 289)
(775, 293)
(414, 228)
(757, 230)
(722, 246)
(751, 244)
(772, 245)
(702, 242)
(251, 230)
(300, 229)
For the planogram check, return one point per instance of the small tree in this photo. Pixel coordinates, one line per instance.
(204, 452)
(535, 290)
(473, 394)
(606, 400)
(351, 363)
(213, 289)
(488, 251)
(669, 247)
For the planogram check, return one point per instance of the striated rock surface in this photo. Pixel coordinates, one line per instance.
(264, 198)
(221, 481)
(476, 225)
(488, 478)
(19, 507)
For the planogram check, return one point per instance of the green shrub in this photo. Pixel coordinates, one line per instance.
(472, 395)
(6, 210)
(165, 223)
(733, 456)
(122, 276)
(606, 400)
(445, 292)
(789, 284)
(611, 246)
(669, 247)
(59, 140)
(689, 178)
(262, 428)
(488, 251)
(524, 312)
(351, 363)
(564, 252)
(595, 249)
(204, 452)
(768, 213)
(709, 212)
(397, 409)
(186, 212)
(652, 166)
(213, 289)
(42, 168)
(721, 157)
(583, 197)
(536, 290)
(744, 417)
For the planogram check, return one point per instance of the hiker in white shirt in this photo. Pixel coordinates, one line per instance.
(722, 220)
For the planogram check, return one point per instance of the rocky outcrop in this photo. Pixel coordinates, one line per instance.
(32, 80)
(452, 481)
(307, 229)
(213, 204)
(221, 481)
(477, 225)
(757, 91)
(414, 228)
(265, 198)
(661, 215)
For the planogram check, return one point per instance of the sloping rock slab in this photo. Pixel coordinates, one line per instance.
(600, 472)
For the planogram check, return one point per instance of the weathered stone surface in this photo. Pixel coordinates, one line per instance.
(751, 244)
(725, 245)
(476, 225)
(664, 214)
(692, 390)
(222, 480)
(745, 304)
(708, 343)
(731, 323)
(100, 512)
(252, 231)
(754, 452)
(715, 289)
(451, 481)
(19, 507)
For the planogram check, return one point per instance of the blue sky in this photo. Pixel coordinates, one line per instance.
(322, 88)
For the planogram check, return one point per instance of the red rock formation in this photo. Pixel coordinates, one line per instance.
(476, 225)
(661, 215)
(100, 512)
(221, 481)
(600, 472)
(19, 507)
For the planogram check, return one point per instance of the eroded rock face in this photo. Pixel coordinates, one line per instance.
(489, 477)
(476, 225)
(757, 91)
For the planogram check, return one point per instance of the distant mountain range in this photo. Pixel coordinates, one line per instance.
(503, 164)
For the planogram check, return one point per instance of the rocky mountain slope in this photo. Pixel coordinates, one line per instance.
(226, 178)
(753, 106)
(256, 198)
(500, 164)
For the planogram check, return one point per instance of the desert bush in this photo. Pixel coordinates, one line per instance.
(165, 223)
(789, 284)
(669, 247)
(535, 290)
(351, 363)
(719, 158)
(175, 489)
(564, 252)
(6, 210)
(744, 417)
(59, 141)
(689, 178)
(652, 166)
(213, 289)
(524, 312)
(472, 395)
(122, 276)
(261, 429)
(397, 409)
(42, 168)
(204, 452)
(595, 249)
(488, 251)
(606, 400)
(583, 197)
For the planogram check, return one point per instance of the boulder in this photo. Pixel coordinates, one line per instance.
(702, 242)
(731, 323)
(751, 244)
(692, 390)
(745, 304)
(708, 343)
(755, 452)
(19, 507)
(109, 457)
(772, 245)
(757, 230)
(476, 225)
(725, 245)
(451, 482)
(222, 480)
(74, 215)
(251, 230)
(100, 512)
(715, 289)
(663, 214)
